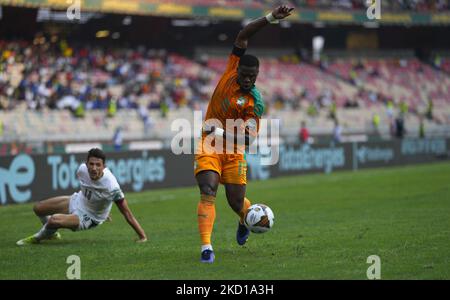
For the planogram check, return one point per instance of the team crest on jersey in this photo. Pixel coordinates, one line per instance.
(241, 101)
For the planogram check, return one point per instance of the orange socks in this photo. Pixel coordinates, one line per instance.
(243, 212)
(206, 214)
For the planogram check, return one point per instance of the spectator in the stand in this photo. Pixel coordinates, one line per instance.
(118, 139)
(422, 128)
(164, 109)
(373, 72)
(145, 117)
(333, 109)
(351, 103)
(437, 62)
(313, 111)
(337, 132)
(14, 150)
(358, 66)
(399, 126)
(391, 5)
(304, 133)
(429, 113)
(49, 149)
(112, 108)
(376, 122)
(79, 111)
(373, 97)
(390, 109)
(392, 129)
(53, 71)
(404, 108)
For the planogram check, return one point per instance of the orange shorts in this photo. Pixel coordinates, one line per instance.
(232, 168)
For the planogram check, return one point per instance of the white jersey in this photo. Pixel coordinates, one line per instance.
(96, 197)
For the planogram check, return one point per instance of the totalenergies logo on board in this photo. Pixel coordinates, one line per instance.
(16, 178)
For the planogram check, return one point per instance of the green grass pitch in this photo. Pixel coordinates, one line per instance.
(325, 228)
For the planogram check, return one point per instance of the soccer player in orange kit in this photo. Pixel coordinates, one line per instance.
(235, 97)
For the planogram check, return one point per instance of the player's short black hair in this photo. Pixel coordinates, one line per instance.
(249, 60)
(98, 153)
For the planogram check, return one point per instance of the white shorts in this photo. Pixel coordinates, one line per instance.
(86, 220)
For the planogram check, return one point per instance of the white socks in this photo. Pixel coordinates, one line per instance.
(207, 247)
(44, 233)
(44, 219)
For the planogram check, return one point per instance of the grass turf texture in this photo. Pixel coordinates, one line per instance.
(325, 228)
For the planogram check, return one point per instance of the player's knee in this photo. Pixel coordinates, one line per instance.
(208, 189)
(37, 208)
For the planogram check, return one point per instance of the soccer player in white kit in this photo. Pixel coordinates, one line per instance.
(86, 209)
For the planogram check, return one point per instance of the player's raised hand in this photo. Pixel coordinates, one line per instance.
(282, 12)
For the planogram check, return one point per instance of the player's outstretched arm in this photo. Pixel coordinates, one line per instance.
(126, 212)
(251, 28)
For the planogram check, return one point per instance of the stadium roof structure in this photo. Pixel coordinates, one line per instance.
(166, 8)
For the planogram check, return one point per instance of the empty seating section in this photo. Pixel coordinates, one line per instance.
(408, 80)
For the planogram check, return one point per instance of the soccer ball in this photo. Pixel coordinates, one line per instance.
(259, 218)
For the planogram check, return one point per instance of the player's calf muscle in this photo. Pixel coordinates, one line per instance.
(53, 222)
(63, 221)
(236, 204)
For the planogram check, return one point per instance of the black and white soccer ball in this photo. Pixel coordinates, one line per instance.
(259, 218)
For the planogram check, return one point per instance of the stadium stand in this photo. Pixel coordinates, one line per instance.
(66, 77)
(291, 82)
(152, 87)
(394, 5)
(407, 80)
(444, 64)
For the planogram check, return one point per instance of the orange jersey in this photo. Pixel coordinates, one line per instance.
(229, 102)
